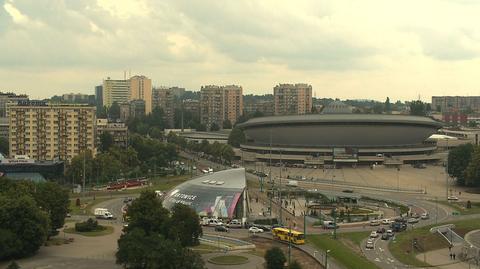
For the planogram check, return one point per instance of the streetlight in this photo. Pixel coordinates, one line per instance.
(326, 258)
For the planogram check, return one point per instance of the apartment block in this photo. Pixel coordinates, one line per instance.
(8, 97)
(456, 103)
(233, 102)
(141, 89)
(292, 99)
(212, 106)
(50, 131)
(192, 106)
(115, 90)
(118, 131)
(165, 98)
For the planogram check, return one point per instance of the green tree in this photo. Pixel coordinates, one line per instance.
(472, 173)
(275, 258)
(214, 127)
(458, 161)
(13, 265)
(388, 106)
(106, 141)
(185, 226)
(236, 137)
(148, 214)
(418, 108)
(227, 124)
(378, 108)
(54, 200)
(472, 124)
(4, 146)
(23, 226)
(114, 111)
(137, 249)
(74, 171)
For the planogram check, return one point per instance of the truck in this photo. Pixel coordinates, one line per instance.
(102, 213)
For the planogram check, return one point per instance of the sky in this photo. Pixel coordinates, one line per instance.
(367, 49)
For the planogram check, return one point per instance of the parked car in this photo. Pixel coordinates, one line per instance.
(452, 198)
(381, 230)
(369, 244)
(390, 233)
(425, 216)
(221, 228)
(374, 222)
(255, 230)
(373, 234)
(412, 220)
(235, 223)
(386, 221)
(385, 236)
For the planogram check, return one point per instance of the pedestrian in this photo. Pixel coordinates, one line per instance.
(453, 256)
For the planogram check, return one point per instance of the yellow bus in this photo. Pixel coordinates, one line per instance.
(286, 234)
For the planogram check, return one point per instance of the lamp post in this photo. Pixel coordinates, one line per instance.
(326, 258)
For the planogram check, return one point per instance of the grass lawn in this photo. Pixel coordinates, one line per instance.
(462, 207)
(108, 230)
(86, 210)
(401, 248)
(203, 249)
(228, 260)
(343, 254)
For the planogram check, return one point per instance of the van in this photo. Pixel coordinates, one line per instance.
(328, 224)
(102, 213)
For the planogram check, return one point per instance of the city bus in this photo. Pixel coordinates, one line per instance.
(286, 234)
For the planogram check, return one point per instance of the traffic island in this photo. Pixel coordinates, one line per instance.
(228, 260)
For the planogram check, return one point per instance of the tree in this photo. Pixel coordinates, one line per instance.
(378, 108)
(106, 141)
(294, 265)
(214, 127)
(388, 106)
(472, 124)
(472, 173)
(418, 108)
(275, 258)
(13, 265)
(114, 111)
(136, 249)
(4, 146)
(54, 200)
(227, 124)
(185, 226)
(148, 214)
(458, 160)
(75, 170)
(23, 226)
(236, 137)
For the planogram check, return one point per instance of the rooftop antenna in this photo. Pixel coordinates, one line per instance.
(124, 75)
(129, 73)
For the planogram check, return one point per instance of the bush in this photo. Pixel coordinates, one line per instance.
(266, 221)
(88, 226)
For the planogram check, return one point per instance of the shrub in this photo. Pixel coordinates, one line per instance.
(88, 226)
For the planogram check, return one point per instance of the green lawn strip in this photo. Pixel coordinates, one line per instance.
(356, 237)
(76, 210)
(462, 208)
(107, 230)
(340, 252)
(401, 248)
(228, 260)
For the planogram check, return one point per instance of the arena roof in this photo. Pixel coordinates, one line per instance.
(341, 118)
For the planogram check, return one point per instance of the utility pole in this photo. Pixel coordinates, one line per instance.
(436, 210)
(289, 244)
(280, 192)
(305, 225)
(446, 174)
(270, 174)
(84, 153)
(334, 223)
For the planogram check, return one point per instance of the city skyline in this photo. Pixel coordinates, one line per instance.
(367, 50)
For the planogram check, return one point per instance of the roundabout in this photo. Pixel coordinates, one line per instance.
(228, 260)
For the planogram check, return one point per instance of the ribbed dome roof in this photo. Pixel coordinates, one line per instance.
(337, 107)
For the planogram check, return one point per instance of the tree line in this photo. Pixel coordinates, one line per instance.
(159, 238)
(464, 165)
(30, 213)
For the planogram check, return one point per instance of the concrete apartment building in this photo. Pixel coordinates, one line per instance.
(50, 131)
(115, 90)
(456, 103)
(217, 104)
(164, 98)
(5, 98)
(141, 89)
(118, 131)
(192, 106)
(292, 99)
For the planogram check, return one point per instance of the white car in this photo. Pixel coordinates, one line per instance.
(425, 216)
(452, 198)
(373, 234)
(374, 222)
(387, 221)
(255, 230)
(210, 170)
(370, 244)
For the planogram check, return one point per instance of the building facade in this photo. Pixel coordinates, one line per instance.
(456, 103)
(6, 98)
(292, 99)
(264, 107)
(115, 90)
(118, 131)
(99, 97)
(78, 98)
(141, 89)
(212, 106)
(49, 132)
(165, 98)
(233, 102)
(192, 106)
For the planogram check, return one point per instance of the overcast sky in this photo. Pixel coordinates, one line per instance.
(345, 49)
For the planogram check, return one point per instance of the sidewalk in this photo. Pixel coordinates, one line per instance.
(441, 259)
